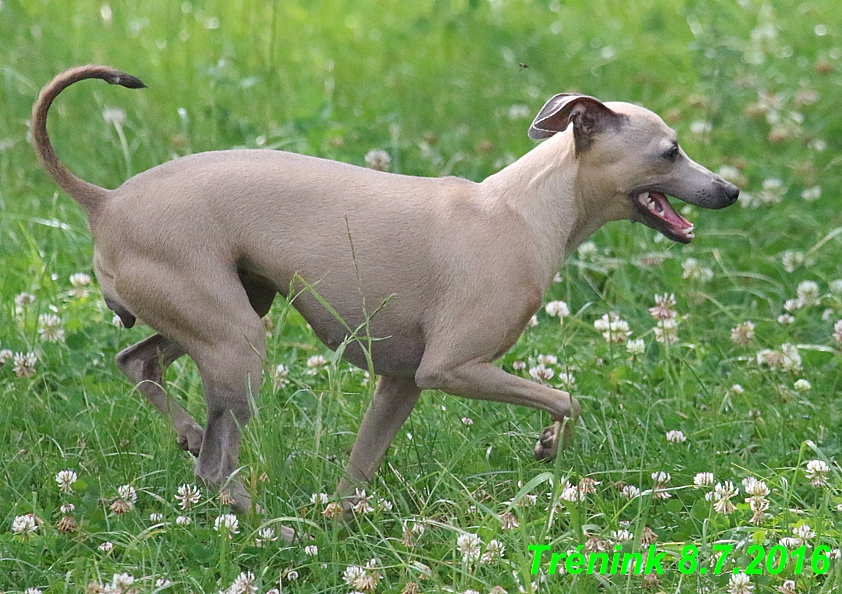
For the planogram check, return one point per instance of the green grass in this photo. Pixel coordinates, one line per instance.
(434, 83)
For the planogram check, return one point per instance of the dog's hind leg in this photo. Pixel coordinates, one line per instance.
(393, 400)
(204, 308)
(144, 364)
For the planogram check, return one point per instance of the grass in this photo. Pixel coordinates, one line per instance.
(442, 87)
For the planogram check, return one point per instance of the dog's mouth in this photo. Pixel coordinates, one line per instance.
(656, 212)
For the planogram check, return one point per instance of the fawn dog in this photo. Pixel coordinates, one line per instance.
(444, 273)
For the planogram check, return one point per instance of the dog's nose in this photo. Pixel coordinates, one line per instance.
(732, 192)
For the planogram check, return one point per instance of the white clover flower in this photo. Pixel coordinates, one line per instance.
(837, 331)
(731, 174)
(622, 535)
(114, 116)
(557, 309)
(65, 480)
(793, 305)
(24, 364)
(25, 526)
(280, 375)
(518, 365)
(541, 373)
(703, 479)
(742, 334)
(5, 356)
(808, 293)
(156, 517)
(567, 380)
(587, 250)
(361, 505)
(666, 332)
(80, 279)
(547, 360)
(786, 319)
(243, 584)
(508, 521)
(754, 487)
(80, 282)
(663, 309)
(227, 525)
(836, 287)
(128, 493)
(613, 328)
(630, 491)
(188, 496)
(572, 494)
(790, 542)
(121, 582)
(467, 421)
(67, 508)
(817, 471)
(812, 193)
(693, 270)
(803, 532)
(518, 111)
(49, 327)
(360, 578)
(469, 546)
(311, 550)
(723, 492)
(736, 389)
(316, 362)
(740, 583)
(636, 347)
(701, 127)
(676, 437)
(773, 190)
(493, 552)
(378, 159)
(183, 521)
(792, 260)
(791, 358)
(24, 299)
(802, 386)
(264, 536)
(319, 498)
(661, 477)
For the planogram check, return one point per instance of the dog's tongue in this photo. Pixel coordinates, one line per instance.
(667, 212)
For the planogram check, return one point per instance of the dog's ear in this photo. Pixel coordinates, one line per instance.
(588, 116)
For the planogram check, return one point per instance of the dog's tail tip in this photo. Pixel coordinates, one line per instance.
(126, 80)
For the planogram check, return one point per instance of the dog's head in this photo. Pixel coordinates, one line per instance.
(630, 161)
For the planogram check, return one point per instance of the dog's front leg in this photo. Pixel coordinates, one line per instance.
(483, 381)
(393, 400)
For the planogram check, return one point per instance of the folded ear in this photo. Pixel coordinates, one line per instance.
(588, 116)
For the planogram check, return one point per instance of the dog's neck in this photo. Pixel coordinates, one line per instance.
(544, 188)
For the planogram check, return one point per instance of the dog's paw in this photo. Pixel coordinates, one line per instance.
(547, 446)
(191, 441)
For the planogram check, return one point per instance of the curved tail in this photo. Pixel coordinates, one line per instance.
(88, 195)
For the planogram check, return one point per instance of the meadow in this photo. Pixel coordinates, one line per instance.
(711, 418)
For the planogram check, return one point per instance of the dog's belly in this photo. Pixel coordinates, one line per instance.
(395, 351)
(396, 356)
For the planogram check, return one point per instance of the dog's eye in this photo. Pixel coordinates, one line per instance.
(672, 154)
